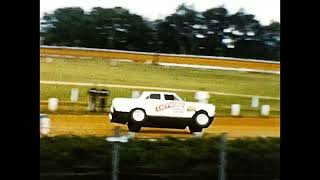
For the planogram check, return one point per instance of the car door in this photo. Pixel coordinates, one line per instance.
(171, 106)
(151, 103)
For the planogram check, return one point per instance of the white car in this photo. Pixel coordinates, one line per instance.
(163, 110)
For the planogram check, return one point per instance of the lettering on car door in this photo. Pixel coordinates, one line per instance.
(171, 106)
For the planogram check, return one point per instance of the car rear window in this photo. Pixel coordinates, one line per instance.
(154, 96)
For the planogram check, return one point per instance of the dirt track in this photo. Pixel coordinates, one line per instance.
(99, 125)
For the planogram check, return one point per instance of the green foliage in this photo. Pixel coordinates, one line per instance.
(189, 158)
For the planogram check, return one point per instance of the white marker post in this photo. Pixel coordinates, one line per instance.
(202, 96)
(53, 104)
(265, 110)
(255, 102)
(135, 94)
(114, 63)
(235, 109)
(44, 125)
(74, 95)
(49, 60)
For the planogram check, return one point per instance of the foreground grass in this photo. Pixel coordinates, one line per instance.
(163, 159)
(223, 103)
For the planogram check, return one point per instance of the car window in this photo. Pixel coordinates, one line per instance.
(153, 96)
(169, 97)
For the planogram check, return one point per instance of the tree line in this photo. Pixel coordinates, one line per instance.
(214, 32)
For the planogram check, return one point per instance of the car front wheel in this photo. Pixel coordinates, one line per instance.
(193, 128)
(201, 119)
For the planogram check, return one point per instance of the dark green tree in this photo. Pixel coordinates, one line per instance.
(213, 32)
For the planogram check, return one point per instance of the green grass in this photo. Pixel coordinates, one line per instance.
(63, 92)
(100, 71)
(189, 159)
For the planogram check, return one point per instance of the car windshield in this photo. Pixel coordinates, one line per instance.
(177, 98)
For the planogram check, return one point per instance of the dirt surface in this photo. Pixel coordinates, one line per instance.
(99, 125)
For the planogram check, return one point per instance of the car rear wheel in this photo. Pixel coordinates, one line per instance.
(134, 127)
(138, 115)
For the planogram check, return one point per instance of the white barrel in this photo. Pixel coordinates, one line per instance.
(202, 96)
(74, 95)
(45, 126)
(135, 94)
(255, 102)
(265, 110)
(53, 104)
(235, 109)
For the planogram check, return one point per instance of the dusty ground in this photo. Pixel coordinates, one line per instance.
(99, 125)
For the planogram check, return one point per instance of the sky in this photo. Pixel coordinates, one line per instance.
(265, 11)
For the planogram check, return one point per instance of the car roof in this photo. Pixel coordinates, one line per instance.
(158, 92)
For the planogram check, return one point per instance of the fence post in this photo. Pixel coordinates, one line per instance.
(255, 102)
(222, 165)
(115, 155)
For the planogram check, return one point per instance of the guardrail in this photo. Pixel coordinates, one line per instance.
(63, 51)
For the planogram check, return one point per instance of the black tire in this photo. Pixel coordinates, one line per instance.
(194, 128)
(134, 127)
(140, 120)
(202, 113)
